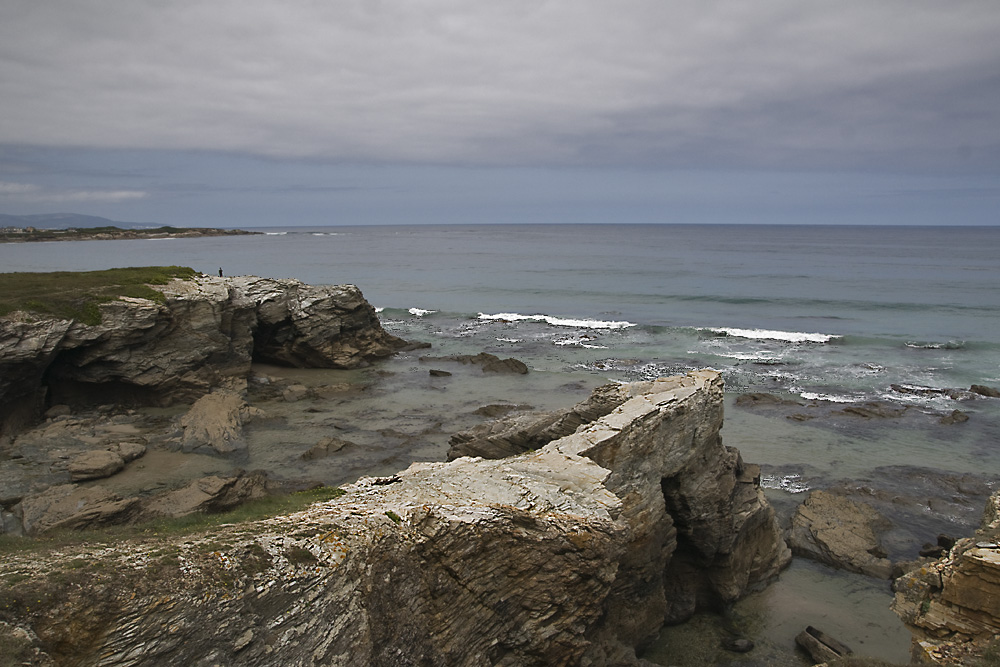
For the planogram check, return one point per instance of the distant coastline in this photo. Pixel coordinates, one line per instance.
(108, 233)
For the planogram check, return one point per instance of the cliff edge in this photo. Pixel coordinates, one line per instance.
(574, 554)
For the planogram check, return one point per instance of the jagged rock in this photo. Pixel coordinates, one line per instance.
(841, 532)
(202, 337)
(95, 465)
(983, 390)
(523, 432)
(495, 410)
(756, 399)
(563, 556)
(325, 447)
(208, 494)
(435, 373)
(214, 424)
(72, 506)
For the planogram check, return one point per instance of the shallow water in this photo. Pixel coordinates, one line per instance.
(853, 609)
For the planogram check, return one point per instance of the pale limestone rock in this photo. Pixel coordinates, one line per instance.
(840, 532)
(95, 465)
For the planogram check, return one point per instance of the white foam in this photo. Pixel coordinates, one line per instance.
(275, 233)
(766, 334)
(420, 312)
(379, 309)
(789, 483)
(558, 321)
(832, 398)
(576, 342)
(509, 340)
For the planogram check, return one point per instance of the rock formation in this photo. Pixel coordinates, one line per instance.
(204, 335)
(570, 555)
(955, 600)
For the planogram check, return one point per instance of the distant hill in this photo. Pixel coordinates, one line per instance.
(67, 221)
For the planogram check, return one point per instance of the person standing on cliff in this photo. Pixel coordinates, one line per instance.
(220, 271)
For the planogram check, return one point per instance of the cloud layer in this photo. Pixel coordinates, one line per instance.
(778, 84)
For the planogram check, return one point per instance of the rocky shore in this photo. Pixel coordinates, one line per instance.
(561, 537)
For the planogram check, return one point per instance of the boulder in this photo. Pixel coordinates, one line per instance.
(983, 390)
(841, 532)
(214, 424)
(208, 494)
(95, 465)
(129, 451)
(954, 417)
(72, 506)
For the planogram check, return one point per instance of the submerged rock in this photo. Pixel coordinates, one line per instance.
(490, 363)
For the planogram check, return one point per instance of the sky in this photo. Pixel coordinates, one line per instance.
(245, 113)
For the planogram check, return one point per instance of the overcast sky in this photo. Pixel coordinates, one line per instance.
(253, 112)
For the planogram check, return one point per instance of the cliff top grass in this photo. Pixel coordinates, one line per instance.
(76, 295)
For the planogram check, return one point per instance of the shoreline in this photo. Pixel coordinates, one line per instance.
(33, 235)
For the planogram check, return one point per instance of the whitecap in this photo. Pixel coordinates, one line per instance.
(558, 321)
(420, 312)
(832, 398)
(950, 345)
(275, 233)
(509, 340)
(788, 483)
(789, 336)
(576, 342)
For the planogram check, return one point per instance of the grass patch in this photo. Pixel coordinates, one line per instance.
(77, 295)
(261, 508)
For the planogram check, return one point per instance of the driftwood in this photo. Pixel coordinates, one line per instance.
(820, 646)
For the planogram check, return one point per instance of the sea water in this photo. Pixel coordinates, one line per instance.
(844, 314)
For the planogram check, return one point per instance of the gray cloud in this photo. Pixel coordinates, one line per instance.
(774, 83)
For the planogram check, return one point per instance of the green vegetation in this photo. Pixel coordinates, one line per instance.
(392, 515)
(109, 232)
(253, 510)
(76, 295)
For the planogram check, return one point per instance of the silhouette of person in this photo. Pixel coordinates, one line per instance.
(220, 271)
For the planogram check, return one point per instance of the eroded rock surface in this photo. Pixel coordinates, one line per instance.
(203, 336)
(949, 601)
(572, 554)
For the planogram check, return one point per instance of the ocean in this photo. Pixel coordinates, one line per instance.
(839, 314)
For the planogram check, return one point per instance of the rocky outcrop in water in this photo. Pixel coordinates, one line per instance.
(203, 336)
(570, 555)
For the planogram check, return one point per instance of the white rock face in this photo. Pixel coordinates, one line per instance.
(570, 555)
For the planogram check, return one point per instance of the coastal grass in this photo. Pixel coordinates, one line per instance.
(76, 295)
(192, 524)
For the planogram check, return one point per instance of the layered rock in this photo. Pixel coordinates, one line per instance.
(956, 598)
(572, 554)
(204, 335)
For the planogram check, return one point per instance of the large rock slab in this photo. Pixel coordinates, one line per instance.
(572, 554)
(73, 506)
(841, 532)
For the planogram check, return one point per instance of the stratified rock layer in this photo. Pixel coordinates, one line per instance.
(955, 599)
(202, 337)
(570, 555)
